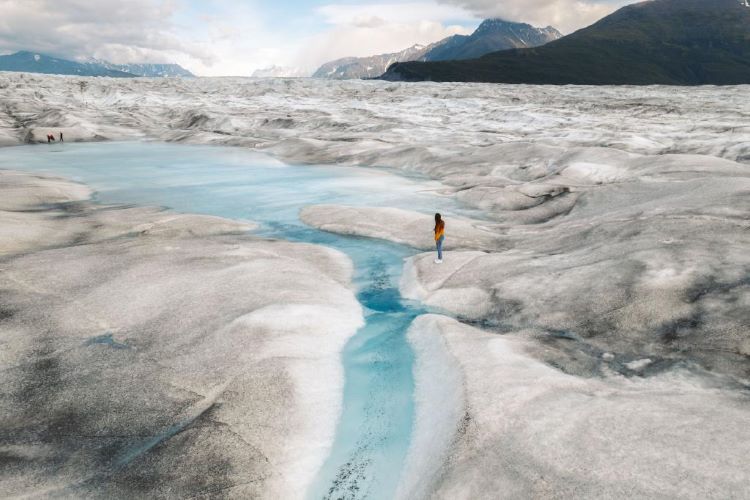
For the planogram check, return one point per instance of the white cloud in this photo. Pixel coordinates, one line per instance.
(565, 15)
(119, 30)
(358, 41)
(409, 12)
(229, 37)
(238, 37)
(231, 40)
(365, 30)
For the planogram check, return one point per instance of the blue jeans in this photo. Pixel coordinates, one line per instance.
(439, 244)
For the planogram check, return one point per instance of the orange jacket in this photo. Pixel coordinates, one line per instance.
(439, 231)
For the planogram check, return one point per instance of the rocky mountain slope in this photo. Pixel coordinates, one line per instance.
(685, 42)
(491, 35)
(30, 62)
(369, 67)
(147, 69)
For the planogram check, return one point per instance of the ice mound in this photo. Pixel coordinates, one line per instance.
(21, 191)
(649, 264)
(22, 226)
(423, 281)
(401, 226)
(440, 409)
(520, 428)
(173, 225)
(148, 353)
(43, 211)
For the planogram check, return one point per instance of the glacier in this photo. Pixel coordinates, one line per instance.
(235, 304)
(151, 352)
(601, 227)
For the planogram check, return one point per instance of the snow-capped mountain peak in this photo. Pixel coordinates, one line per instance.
(144, 69)
(492, 35)
(32, 62)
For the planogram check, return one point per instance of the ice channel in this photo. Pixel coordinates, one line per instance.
(375, 427)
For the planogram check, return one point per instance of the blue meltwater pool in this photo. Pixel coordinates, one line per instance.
(375, 427)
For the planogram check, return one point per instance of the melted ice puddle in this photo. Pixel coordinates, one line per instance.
(375, 427)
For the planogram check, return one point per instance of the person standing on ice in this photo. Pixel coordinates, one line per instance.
(61, 137)
(439, 237)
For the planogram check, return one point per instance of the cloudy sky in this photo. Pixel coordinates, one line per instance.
(236, 37)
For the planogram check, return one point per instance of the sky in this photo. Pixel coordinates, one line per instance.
(237, 37)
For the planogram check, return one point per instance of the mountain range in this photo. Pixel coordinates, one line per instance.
(368, 67)
(30, 62)
(153, 70)
(490, 36)
(671, 42)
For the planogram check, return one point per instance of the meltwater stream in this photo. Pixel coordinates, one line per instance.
(374, 430)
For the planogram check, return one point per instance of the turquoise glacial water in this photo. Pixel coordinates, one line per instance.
(375, 427)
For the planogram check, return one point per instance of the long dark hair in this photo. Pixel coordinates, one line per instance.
(439, 223)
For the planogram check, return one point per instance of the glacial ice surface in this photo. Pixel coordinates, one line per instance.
(375, 418)
(528, 430)
(433, 127)
(140, 351)
(402, 226)
(622, 214)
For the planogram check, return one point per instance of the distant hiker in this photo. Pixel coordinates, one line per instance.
(61, 139)
(50, 138)
(439, 237)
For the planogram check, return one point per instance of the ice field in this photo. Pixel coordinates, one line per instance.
(377, 417)
(587, 336)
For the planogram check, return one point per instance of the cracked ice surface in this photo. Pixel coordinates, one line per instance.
(652, 264)
(138, 333)
(424, 126)
(621, 221)
(528, 430)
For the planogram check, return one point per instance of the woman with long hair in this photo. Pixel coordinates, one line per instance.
(439, 237)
